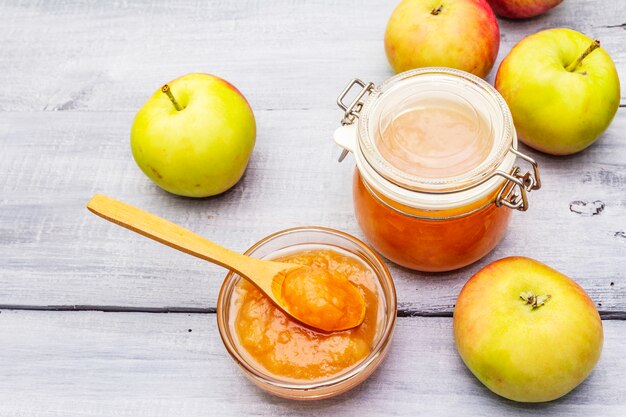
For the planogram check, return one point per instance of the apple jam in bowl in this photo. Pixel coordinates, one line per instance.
(437, 167)
(289, 359)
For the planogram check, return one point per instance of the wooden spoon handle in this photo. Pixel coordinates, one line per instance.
(170, 234)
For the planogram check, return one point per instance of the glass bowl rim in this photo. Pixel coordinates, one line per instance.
(381, 346)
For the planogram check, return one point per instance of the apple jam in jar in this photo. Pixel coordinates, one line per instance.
(436, 166)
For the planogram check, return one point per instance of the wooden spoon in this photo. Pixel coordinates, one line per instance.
(322, 299)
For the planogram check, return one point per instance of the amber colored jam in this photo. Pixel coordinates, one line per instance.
(289, 349)
(323, 298)
(429, 241)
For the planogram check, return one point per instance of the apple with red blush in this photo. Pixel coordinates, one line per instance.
(522, 9)
(461, 34)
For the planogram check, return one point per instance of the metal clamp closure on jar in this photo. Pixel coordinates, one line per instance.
(517, 183)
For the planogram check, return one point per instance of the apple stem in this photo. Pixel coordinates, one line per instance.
(534, 300)
(436, 10)
(168, 93)
(594, 45)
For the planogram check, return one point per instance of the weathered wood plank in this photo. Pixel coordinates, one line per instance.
(56, 253)
(73, 76)
(104, 364)
(64, 55)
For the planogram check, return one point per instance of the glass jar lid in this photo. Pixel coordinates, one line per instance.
(434, 138)
(481, 115)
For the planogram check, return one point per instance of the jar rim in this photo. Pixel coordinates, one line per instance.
(345, 380)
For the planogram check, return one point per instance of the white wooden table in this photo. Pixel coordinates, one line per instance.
(97, 321)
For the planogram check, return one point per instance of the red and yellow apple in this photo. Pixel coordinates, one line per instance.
(194, 136)
(562, 88)
(526, 331)
(521, 9)
(461, 34)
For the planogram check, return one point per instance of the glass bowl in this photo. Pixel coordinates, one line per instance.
(303, 238)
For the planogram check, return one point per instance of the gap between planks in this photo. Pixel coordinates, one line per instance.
(402, 312)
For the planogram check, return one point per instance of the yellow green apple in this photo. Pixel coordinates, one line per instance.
(526, 331)
(194, 136)
(521, 9)
(461, 34)
(562, 88)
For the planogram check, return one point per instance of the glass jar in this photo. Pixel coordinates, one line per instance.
(433, 222)
(294, 240)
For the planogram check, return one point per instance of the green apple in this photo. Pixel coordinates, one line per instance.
(194, 136)
(526, 331)
(562, 88)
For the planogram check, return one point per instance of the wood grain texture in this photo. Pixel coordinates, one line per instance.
(73, 76)
(67, 56)
(105, 364)
(57, 253)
